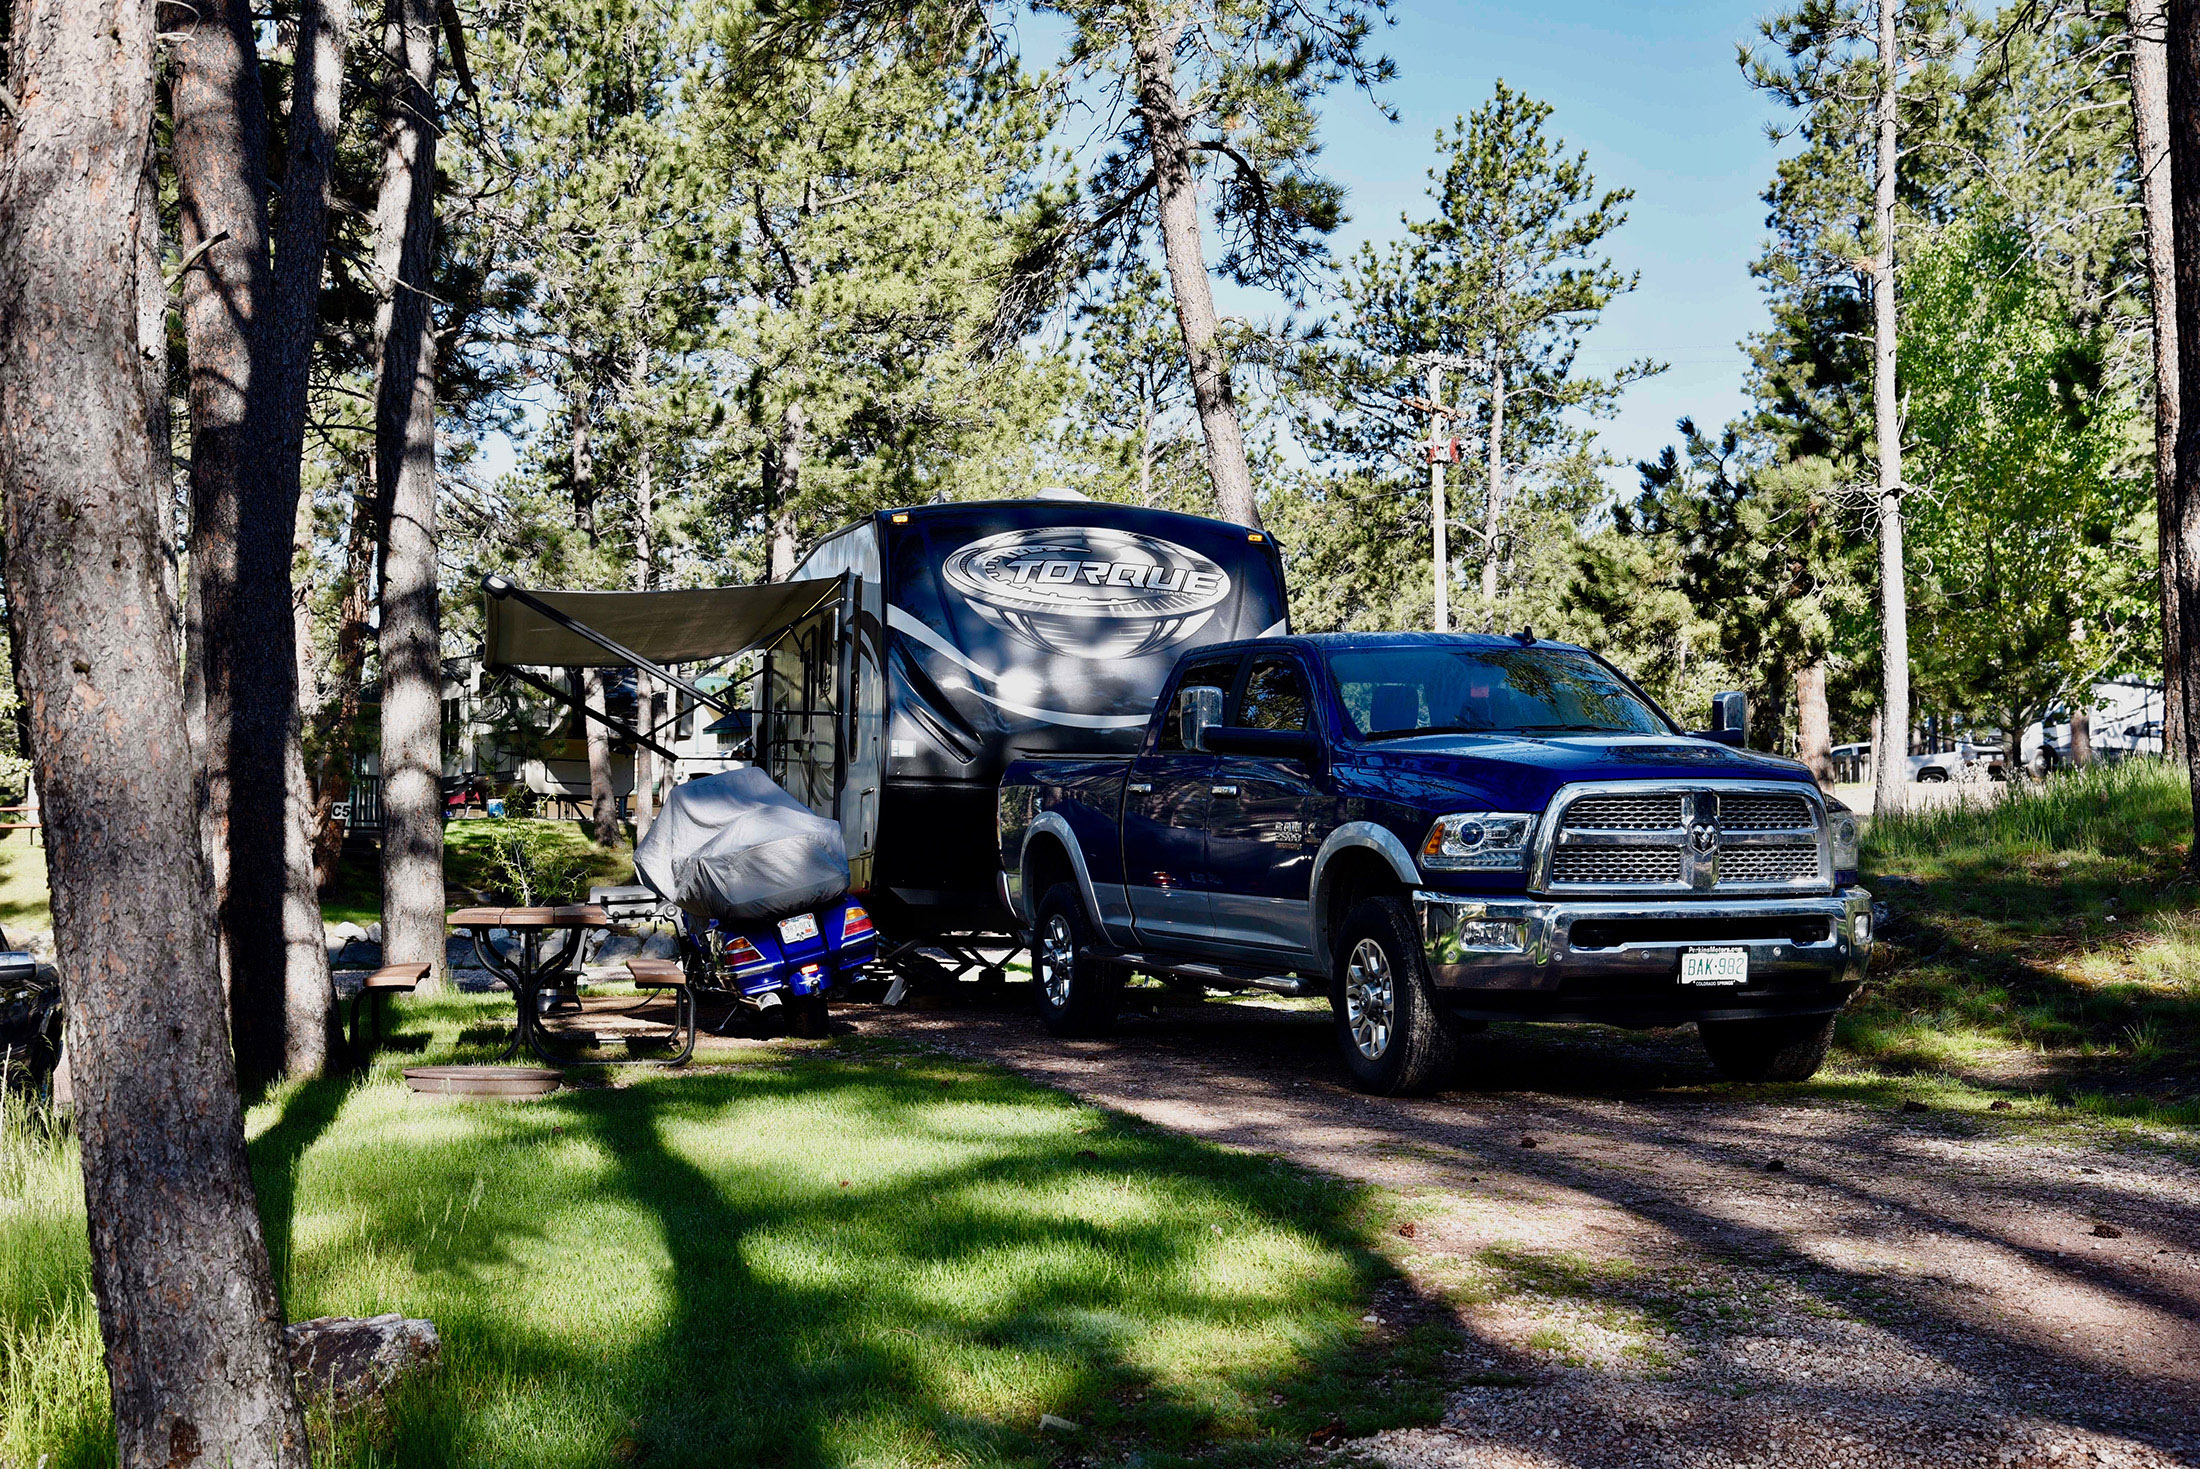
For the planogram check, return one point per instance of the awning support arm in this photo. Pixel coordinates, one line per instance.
(618, 727)
(502, 588)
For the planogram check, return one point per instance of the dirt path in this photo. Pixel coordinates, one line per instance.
(1645, 1278)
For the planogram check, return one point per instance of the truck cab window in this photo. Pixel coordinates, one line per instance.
(1275, 696)
(1214, 674)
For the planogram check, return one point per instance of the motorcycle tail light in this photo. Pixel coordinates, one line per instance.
(855, 923)
(742, 954)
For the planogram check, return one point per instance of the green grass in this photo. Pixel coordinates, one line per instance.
(2044, 951)
(839, 1255)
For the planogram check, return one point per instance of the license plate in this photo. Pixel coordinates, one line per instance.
(801, 926)
(1715, 966)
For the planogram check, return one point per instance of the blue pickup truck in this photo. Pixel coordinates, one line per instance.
(1437, 831)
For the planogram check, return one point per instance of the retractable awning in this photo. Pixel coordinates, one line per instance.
(529, 630)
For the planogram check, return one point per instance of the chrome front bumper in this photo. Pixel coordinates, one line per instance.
(1633, 962)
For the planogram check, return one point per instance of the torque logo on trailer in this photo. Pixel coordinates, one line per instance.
(1089, 592)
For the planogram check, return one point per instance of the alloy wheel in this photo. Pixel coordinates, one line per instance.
(1057, 960)
(1370, 999)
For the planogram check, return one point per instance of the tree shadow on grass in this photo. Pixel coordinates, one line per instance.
(993, 1254)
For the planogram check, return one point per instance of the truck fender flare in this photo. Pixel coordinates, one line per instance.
(1054, 824)
(1365, 834)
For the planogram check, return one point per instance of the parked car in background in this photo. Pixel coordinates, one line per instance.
(1966, 762)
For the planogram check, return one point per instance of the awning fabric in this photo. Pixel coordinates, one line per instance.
(664, 627)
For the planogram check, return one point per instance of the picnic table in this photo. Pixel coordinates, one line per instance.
(548, 959)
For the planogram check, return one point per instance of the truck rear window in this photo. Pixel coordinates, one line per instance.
(1394, 693)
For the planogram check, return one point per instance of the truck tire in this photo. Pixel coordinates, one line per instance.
(1789, 1048)
(1392, 1035)
(1078, 993)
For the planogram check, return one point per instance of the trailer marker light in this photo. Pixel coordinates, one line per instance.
(1254, 535)
(902, 518)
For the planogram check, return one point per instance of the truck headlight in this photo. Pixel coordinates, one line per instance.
(1479, 841)
(1845, 839)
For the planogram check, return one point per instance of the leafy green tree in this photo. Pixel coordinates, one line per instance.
(2028, 512)
(1130, 417)
(1504, 279)
(1759, 552)
(1221, 94)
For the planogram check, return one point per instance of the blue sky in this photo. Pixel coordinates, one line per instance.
(1651, 92)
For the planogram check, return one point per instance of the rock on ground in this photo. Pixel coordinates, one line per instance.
(347, 1360)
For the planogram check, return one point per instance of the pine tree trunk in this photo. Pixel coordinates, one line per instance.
(1813, 724)
(2150, 139)
(1177, 198)
(193, 1333)
(2184, 177)
(1894, 609)
(646, 698)
(269, 554)
(1493, 510)
(404, 436)
(603, 797)
(152, 341)
(338, 743)
(782, 487)
(220, 155)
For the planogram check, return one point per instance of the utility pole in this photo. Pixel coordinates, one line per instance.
(1441, 449)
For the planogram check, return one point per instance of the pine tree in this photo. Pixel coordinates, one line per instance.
(1222, 94)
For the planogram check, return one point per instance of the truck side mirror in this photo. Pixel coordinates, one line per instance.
(1729, 719)
(1200, 707)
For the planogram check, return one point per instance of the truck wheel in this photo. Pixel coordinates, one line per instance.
(1790, 1048)
(1393, 1037)
(1078, 993)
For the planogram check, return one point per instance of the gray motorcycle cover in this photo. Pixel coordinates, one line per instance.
(737, 848)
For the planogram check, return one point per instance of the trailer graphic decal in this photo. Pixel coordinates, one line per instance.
(1087, 591)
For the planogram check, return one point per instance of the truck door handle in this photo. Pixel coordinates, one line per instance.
(1140, 788)
(1222, 790)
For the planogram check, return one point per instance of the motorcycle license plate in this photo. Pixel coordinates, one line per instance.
(801, 926)
(1715, 966)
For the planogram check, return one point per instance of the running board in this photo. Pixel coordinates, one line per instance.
(1221, 976)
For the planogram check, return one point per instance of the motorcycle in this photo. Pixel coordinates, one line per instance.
(792, 962)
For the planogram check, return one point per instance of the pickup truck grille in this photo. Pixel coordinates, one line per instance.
(1764, 813)
(1708, 838)
(1615, 866)
(1625, 813)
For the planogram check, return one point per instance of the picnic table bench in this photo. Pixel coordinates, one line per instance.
(548, 959)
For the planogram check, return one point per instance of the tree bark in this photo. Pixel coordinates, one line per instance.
(1438, 517)
(603, 796)
(338, 742)
(1894, 609)
(2150, 140)
(267, 554)
(152, 341)
(404, 436)
(646, 697)
(783, 486)
(1814, 724)
(1177, 199)
(194, 1349)
(2184, 176)
(2081, 735)
(1494, 510)
(221, 181)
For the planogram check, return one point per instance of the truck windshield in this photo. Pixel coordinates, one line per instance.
(1393, 693)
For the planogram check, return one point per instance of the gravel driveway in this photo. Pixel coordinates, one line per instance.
(1645, 1274)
